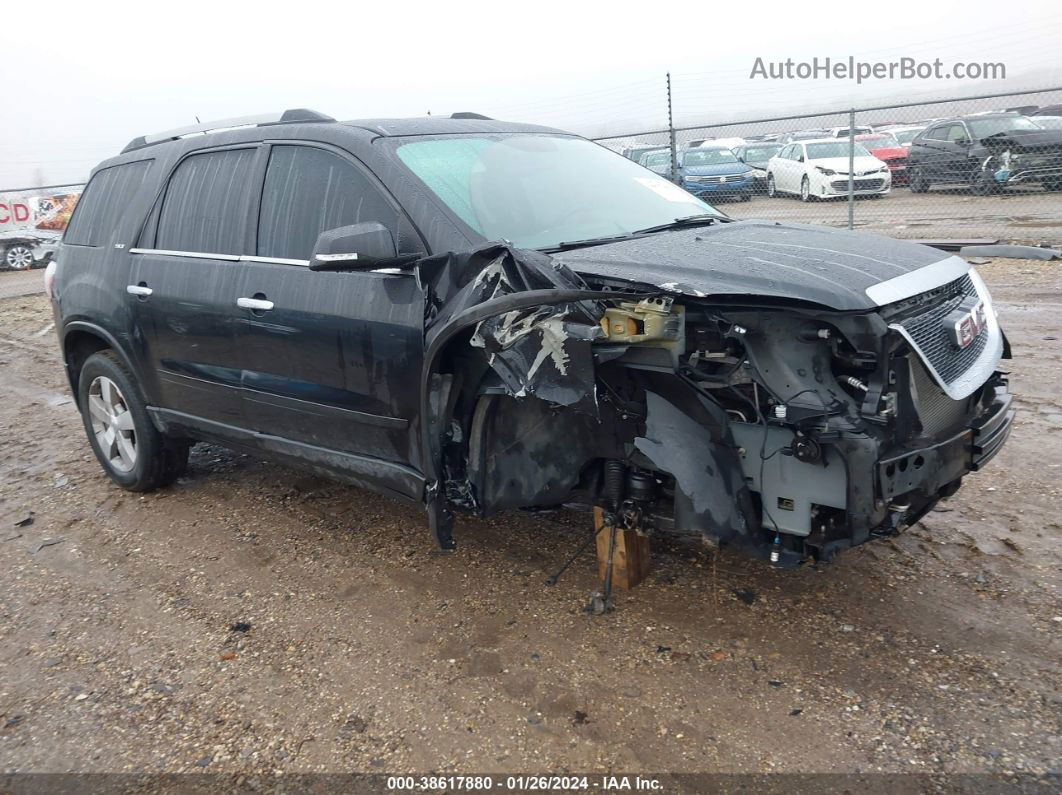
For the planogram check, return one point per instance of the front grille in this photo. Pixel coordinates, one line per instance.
(938, 412)
(922, 317)
(717, 180)
(859, 184)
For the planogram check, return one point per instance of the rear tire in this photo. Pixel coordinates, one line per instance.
(918, 182)
(127, 444)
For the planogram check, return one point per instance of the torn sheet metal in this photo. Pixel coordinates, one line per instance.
(711, 495)
(543, 351)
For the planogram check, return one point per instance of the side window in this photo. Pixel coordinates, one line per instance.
(798, 152)
(308, 191)
(957, 132)
(205, 203)
(104, 202)
(784, 154)
(937, 133)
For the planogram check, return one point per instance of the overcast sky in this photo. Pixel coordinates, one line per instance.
(84, 78)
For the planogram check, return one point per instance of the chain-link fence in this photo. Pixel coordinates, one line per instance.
(983, 167)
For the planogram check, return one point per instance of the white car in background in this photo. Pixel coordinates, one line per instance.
(818, 169)
(904, 134)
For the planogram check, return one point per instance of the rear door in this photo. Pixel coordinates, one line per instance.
(182, 287)
(333, 363)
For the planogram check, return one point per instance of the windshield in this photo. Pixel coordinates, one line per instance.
(906, 136)
(1050, 122)
(982, 128)
(538, 191)
(761, 154)
(839, 149)
(708, 157)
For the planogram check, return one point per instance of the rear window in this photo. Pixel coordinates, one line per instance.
(206, 203)
(104, 202)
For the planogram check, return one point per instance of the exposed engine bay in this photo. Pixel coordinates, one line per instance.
(786, 428)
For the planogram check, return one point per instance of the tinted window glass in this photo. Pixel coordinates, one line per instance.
(205, 203)
(102, 205)
(308, 191)
(938, 133)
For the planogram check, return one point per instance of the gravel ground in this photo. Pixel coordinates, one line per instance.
(252, 620)
(16, 284)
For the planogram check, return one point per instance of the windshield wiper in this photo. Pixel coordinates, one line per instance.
(689, 220)
(701, 219)
(590, 241)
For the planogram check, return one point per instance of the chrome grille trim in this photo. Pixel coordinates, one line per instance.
(958, 375)
(919, 281)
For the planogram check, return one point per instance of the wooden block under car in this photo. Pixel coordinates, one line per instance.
(630, 559)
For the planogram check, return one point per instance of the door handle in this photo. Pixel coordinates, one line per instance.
(257, 304)
(138, 289)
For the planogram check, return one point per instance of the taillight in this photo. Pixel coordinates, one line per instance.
(49, 278)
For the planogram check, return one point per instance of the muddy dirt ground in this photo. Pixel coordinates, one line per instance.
(363, 650)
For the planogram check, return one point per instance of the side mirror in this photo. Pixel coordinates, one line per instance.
(800, 158)
(962, 142)
(353, 247)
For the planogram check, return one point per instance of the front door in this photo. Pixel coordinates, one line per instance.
(330, 360)
(182, 286)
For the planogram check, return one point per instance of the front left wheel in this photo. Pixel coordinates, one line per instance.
(805, 190)
(127, 444)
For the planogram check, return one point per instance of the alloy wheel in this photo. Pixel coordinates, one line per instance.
(112, 423)
(19, 257)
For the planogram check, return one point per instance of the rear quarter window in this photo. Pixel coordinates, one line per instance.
(104, 202)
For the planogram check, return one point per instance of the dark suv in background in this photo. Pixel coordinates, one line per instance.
(986, 152)
(471, 314)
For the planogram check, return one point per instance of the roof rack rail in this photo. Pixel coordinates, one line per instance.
(290, 116)
(465, 114)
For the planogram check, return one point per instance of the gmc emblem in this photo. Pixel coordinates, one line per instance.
(964, 325)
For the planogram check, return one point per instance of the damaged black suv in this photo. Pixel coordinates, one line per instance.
(476, 315)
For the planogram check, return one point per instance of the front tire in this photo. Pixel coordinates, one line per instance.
(19, 257)
(983, 185)
(918, 182)
(128, 446)
(805, 190)
(771, 190)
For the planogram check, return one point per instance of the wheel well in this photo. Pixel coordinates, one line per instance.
(77, 347)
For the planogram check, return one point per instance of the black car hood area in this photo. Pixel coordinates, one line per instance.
(829, 267)
(1025, 141)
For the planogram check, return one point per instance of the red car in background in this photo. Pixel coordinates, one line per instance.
(886, 148)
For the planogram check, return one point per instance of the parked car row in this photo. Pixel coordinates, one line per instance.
(983, 152)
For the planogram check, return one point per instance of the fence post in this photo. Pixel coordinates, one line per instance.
(851, 169)
(671, 135)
